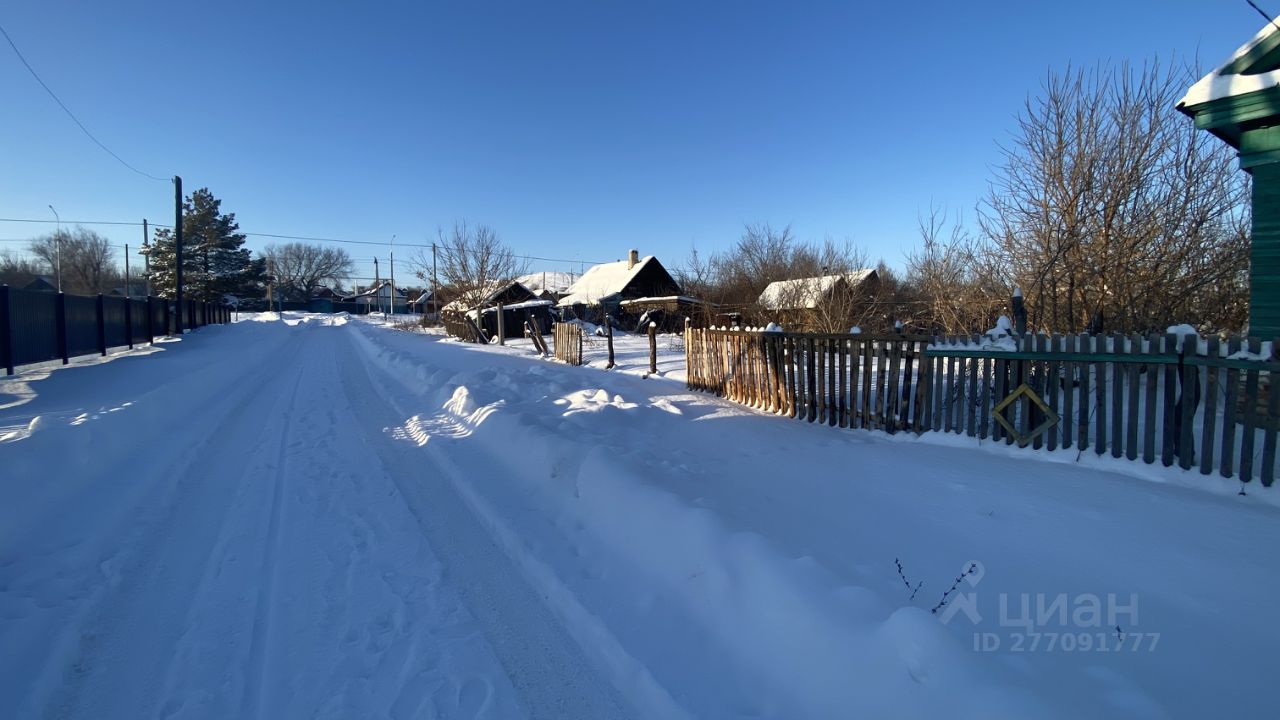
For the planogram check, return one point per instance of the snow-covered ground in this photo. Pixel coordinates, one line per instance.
(324, 516)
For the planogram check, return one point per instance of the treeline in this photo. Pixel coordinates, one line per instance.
(215, 263)
(1109, 210)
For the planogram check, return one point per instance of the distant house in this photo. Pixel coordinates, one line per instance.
(428, 303)
(381, 296)
(825, 302)
(325, 293)
(43, 283)
(135, 289)
(548, 284)
(519, 305)
(625, 290)
(509, 294)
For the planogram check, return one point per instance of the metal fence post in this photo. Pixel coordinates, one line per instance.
(60, 317)
(101, 308)
(6, 327)
(128, 320)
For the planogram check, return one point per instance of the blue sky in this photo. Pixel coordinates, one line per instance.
(576, 129)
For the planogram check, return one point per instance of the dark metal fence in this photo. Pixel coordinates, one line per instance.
(37, 326)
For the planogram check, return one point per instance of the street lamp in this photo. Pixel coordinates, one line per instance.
(391, 301)
(57, 246)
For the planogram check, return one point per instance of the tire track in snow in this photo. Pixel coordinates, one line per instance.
(122, 612)
(544, 662)
(256, 677)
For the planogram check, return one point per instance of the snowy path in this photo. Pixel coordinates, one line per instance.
(331, 519)
(273, 569)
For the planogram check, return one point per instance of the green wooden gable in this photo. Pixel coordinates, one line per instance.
(1240, 103)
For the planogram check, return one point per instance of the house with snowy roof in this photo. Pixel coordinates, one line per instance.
(381, 296)
(810, 302)
(628, 290)
(547, 284)
(1239, 102)
(428, 303)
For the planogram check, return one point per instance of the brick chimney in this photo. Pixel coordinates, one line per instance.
(633, 259)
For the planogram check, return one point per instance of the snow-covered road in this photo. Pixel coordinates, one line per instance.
(326, 518)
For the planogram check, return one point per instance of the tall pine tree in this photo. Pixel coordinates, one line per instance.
(214, 261)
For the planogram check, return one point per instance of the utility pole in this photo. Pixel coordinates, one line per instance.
(57, 246)
(146, 255)
(377, 282)
(128, 291)
(435, 283)
(177, 242)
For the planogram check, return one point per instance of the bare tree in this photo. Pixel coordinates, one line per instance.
(698, 280)
(761, 256)
(473, 262)
(1112, 208)
(954, 291)
(84, 257)
(16, 270)
(302, 268)
(850, 299)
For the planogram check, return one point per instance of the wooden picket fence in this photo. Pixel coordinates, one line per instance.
(1118, 395)
(463, 328)
(567, 339)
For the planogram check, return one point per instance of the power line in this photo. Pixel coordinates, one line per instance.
(307, 238)
(70, 114)
(79, 222)
(1262, 13)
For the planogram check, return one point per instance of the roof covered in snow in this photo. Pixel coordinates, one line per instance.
(603, 280)
(519, 306)
(553, 280)
(664, 298)
(515, 288)
(1255, 66)
(806, 293)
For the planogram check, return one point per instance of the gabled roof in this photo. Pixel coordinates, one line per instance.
(1254, 67)
(41, 282)
(377, 289)
(515, 286)
(806, 293)
(601, 281)
(135, 287)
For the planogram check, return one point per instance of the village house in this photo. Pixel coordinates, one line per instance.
(380, 298)
(827, 303)
(519, 305)
(548, 284)
(628, 290)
